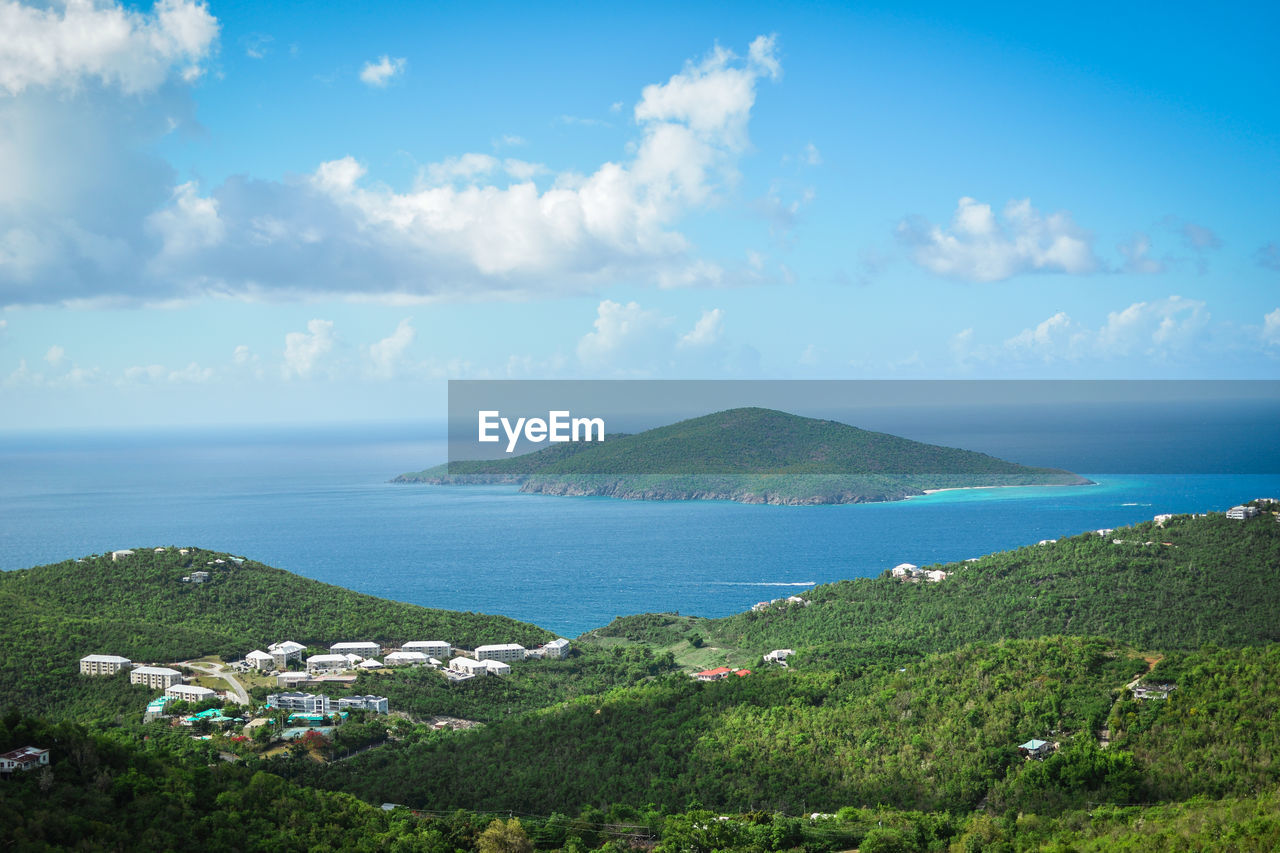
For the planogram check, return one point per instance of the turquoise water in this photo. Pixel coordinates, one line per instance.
(320, 506)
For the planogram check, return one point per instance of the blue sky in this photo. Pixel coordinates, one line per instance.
(254, 212)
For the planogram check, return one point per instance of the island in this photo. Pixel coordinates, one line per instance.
(748, 455)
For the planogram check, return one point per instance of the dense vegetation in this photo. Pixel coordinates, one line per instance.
(140, 608)
(750, 455)
(1213, 582)
(939, 735)
(898, 720)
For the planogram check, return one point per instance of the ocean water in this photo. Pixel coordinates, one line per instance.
(319, 504)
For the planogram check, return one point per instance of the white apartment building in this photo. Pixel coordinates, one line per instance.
(377, 704)
(405, 659)
(258, 659)
(432, 648)
(102, 664)
(303, 703)
(1242, 512)
(469, 666)
(364, 650)
(556, 649)
(497, 667)
(503, 652)
(327, 663)
(156, 677)
(191, 692)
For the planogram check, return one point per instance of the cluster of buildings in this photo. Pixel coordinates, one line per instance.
(911, 573)
(720, 672)
(156, 677)
(347, 656)
(780, 602)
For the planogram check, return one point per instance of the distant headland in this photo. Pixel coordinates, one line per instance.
(748, 455)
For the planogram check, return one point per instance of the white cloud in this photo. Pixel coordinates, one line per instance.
(56, 355)
(1271, 328)
(386, 355)
(619, 329)
(380, 73)
(242, 355)
(1157, 331)
(88, 214)
(303, 351)
(706, 331)
(257, 45)
(978, 247)
(1136, 255)
(1199, 237)
(811, 156)
(191, 374)
(79, 40)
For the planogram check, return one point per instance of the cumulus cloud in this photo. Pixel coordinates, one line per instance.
(1199, 237)
(1155, 331)
(980, 247)
(387, 354)
(56, 355)
(706, 331)
(70, 43)
(382, 72)
(120, 228)
(303, 351)
(618, 329)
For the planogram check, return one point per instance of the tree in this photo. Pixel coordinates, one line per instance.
(504, 837)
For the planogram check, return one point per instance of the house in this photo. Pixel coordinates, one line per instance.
(742, 673)
(306, 703)
(369, 663)
(258, 659)
(117, 556)
(1035, 748)
(469, 666)
(713, 674)
(364, 650)
(102, 664)
(759, 606)
(1046, 541)
(502, 652)
(1162, 518)
(155, 677)
(353, 659)
(497, 667)
(377, 704)
(1159, 690)
(935, 575)
(435, 648)
(190, 693)
(558, 649)
(1242, 512)
(292, 679)
(155, 708)
(779, 656)
(405, 659)
(328, 663)
(795, 599)
(904, 570)
(23, 758)
(199, 577)
(282, 653)
(159, 551)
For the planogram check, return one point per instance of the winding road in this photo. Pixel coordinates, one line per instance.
(218, 670)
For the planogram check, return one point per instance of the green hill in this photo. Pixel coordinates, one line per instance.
(140, 608)
(1193, 581)
(750, 455)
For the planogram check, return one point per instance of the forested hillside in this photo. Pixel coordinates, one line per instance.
(1191, 582)
(139, 607)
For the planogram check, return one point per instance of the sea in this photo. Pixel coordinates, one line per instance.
(319, 502)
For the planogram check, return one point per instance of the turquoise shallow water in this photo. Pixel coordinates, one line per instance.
(321, 507)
